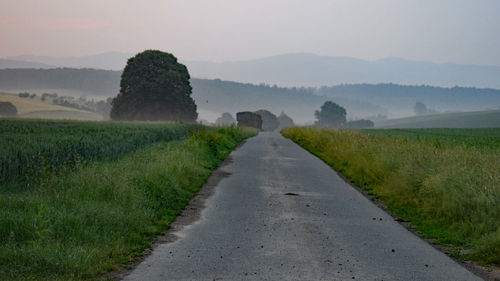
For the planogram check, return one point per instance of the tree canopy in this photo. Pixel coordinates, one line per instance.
(285, 121)
(225, 120)
(7, 109)
(420, 108)
(249, 119)
(269, 120)
(360, 124)
(154, 87)
(331, 115)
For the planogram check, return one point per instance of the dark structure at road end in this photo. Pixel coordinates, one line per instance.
(249, 119)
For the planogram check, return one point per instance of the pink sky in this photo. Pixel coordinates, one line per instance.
(461, 31)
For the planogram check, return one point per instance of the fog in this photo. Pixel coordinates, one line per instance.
(296, 54)
(215, 96)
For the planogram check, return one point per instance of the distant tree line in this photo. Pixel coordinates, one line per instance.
(107, 82)
(390, 89)
(48, 95)
(217, 95)
(102, 107)
(267, 120)
(332, 115)
(406, 95)
(27, 95)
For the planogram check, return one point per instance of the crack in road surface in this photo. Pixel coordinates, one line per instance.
(254, 228)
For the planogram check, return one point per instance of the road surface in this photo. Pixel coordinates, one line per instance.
(283, 214)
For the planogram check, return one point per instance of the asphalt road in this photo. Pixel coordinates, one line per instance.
(283, 214)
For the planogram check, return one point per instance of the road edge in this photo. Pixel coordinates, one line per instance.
(189, 215)
(487, 273)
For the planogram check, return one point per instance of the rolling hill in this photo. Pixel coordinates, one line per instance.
(400, 99)
(93, 81)
(34, 108)
(311, 70)
(301, 69)
(109, 60)
(214, 96)
(473, 119)
(13, 64)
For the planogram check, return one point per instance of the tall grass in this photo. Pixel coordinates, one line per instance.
(31, 148)
(81, 224)
(487, 138)
(450, 192)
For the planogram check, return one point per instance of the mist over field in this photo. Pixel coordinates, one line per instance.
(270, 139)
(215, 96)
(375, 59)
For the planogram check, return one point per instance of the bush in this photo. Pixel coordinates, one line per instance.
(359, 124)
(7, 109)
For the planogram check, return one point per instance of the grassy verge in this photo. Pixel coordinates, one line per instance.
(449, 191)
(477, 138)
(81, 224)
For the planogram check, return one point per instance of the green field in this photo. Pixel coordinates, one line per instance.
(35, 108)
(31, 148)
(99, 208)
(473, 119)
(446, 182)
(487, 138)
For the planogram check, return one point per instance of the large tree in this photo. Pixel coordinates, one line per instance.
(285, 121)
(225, 120)
(420, 108)
(331, 115)
(154, 87)
(269, 120)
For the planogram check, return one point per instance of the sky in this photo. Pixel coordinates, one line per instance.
(459, 31)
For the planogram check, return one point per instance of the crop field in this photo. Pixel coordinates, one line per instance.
(34, 108)
(30, 149)
(109, 190)
(26, 105)
(64, 115)
(446, 182)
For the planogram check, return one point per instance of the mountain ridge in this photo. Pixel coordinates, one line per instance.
(300, 69)
(105, 61)
(306, 69)
(6, 63)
